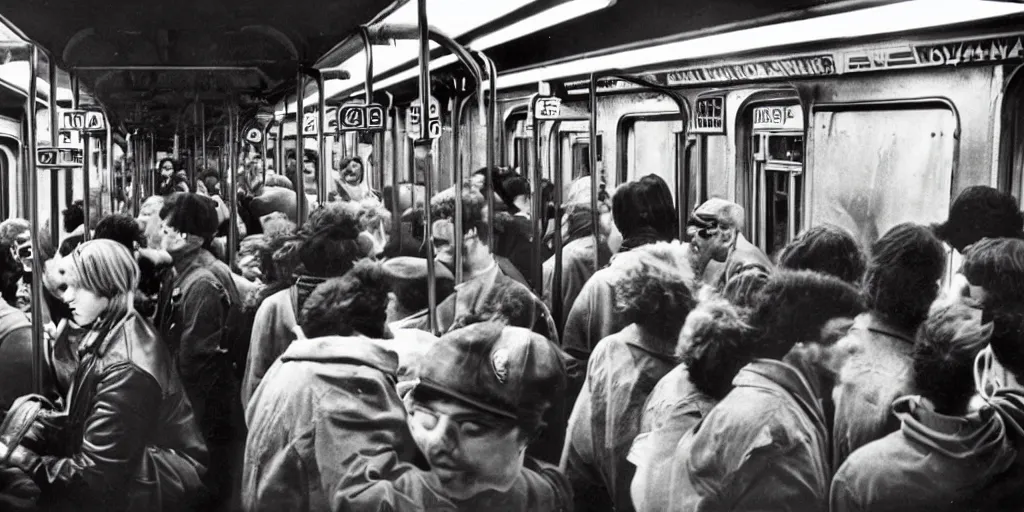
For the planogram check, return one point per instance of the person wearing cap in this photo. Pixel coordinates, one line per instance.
(719, 247)
(479, 398)
(644, 213)
(327, 401)
(655, 299)
(198, 313)
(333, 244)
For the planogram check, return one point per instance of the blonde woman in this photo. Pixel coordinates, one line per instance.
(129, 440)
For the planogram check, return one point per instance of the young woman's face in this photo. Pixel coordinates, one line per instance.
(166, 169)
(353, 173)
(86, 306)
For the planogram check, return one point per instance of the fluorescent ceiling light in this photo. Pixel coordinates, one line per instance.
(887, 19)
(16, 74)
(454, 17)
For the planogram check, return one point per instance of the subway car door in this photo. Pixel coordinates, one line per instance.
(777, 175)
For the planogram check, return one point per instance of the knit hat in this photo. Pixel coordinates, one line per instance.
(192, 214)
(509, 372)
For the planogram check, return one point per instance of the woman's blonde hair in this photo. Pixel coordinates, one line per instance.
(108, 269)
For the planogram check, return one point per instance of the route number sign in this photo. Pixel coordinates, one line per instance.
(415, 114)
(362, 118)
(59, 158)
(547, 107)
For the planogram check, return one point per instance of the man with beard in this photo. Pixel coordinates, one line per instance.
(720, 250)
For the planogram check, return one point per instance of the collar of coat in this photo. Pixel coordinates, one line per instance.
(785, 376)
(358, 350)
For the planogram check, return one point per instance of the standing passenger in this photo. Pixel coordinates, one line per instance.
(720, 249)
(901, 284)
(655, 298)
(765, 445)
(643, 211)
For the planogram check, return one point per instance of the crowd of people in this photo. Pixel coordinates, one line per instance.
(311, 374)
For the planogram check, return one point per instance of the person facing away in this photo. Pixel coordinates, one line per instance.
(127, 439)
(643, 211)
(900, 286)
(580, 240)
(330, 249)
(478, 401)
(329, 399)
(765, 445)
(942, 454)
(710, 342)
(828, 249)
(622, 371)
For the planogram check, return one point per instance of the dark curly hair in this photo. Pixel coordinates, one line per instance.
(902, 277)
(947, 343)
(121, 228)
(997, 265)
(712, 337)
(74, 216)
(442, 207)
(652, 294)
(350, 304)
(742, 289)
(826, 248)
(793, 308)
(508, 303)
(1007, 339)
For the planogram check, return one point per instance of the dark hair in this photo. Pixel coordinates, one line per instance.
(794, 306)
(173, 162)
(121, 228)
(947, 343)
(74, 216)
(412, 295)
(981, 212)
(191, 213)
(644, 207)
(332, 251)
(1007, 340)
(353, 303)
(902, 277)
(652, 294)
(712, 337)
(826, 248)
(997, 265)
(514, 186)
(11, 271)
(359, 160)
(508, 303)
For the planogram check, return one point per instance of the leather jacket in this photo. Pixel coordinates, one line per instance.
(129, 440)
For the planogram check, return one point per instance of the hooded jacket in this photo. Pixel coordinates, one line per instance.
(622, 371)
(877, 370)
(323, 404)
(933, 463)
(763, 447)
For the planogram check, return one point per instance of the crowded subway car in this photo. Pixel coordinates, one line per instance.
(528, 255)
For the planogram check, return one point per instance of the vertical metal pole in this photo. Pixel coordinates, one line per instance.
(279, 146)
(424, 87)
(300, 173)
(202, 141)
(263, 151)
(492, 128)
(231, 188)
(194, 165)
(32, 183)
(322, 175)
(133, 156)
(537, 219)
(595, 214)
(556, 284)
(457, 170)
(396, 214)
(54, 174)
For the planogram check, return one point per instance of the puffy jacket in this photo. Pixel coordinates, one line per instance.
(129, 440)
(877, 370)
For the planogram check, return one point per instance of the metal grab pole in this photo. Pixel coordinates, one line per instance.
(263, 153)
(201, 168)
(321, 142)
(86, 167)
(301, 208)
(55, 175)
(457, 170)
(557, 298)
(492, 128)
(133, 148)
(194, 164)
(396, 215)
(108, 179)
(31, 182)
(231, 188)
(279, 148)
(595, 214)
(536, 222)
(424, 87)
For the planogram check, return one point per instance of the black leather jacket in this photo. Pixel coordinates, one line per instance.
(129, 441)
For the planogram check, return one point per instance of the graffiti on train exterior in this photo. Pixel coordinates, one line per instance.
(813, 65)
